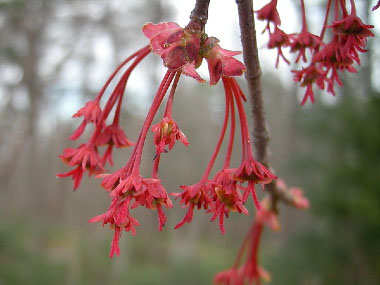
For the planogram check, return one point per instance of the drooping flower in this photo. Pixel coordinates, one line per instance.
(302, 41)
(279, 39)
(166, 133)
(119, 217)
(221, 62)
(112, 136)
(226, 198)
(193, 196)
(270, 14)
(249, 271)
(307, 77)
(175, 45)
(84, 158)
(91, 113)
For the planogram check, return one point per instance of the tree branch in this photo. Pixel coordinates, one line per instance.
(199, 16)
(253, 77)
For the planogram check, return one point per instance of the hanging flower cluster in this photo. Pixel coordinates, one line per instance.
(249, 271)
(182, 51)
(327, 56)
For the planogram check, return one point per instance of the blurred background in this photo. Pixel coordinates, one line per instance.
(56, 54)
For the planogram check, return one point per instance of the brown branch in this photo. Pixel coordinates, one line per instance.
(199, 16)
(253, 77)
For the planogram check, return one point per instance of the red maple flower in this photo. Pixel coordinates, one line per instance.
(154, 197)
(193, 196)
(113, 135)
(279, 39)
(91, 113)
(270, 14)
(76, 175)
(302, 41)
(85, 158)
(175, 45)
(225, 198)
(166, 132)
(250, 272)
(221, 62)
(307, 77)
(331, 59)
(352, 34)
(119, 217)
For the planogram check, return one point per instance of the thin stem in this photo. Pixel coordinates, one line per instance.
(243, 121)
(156, 163)
(140, 51)
(242, 247)
(118, 91)
(325, 21)
(353, 7)
(232, 136)
(199, 16)
(220, 140)
(169, 105)
(304, 22)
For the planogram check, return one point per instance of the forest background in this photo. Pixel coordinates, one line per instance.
(56, 54)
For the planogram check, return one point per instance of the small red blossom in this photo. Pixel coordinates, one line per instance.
(76, 174)
(303, 41)
(91, 113)
(307, 77)
(193, 196)
(132, 185)
(352, 25)
(331, 59)
(279, 39)
(166, 132)
(352, 36)
(270, 14)
(252, 170)
(175, 45)
(221, 62)
(111, 180)
(113, 135)
(226, 198)
(85, 158)
(119, 217)
(154, 197)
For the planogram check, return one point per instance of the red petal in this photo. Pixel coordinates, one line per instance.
(189, 70)
(150, 30)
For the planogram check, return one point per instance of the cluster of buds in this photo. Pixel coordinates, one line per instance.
(326, 56)
(182, 51)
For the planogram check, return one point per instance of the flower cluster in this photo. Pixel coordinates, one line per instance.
(249, 271)
(327, 56)
(182, 51)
